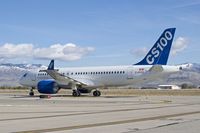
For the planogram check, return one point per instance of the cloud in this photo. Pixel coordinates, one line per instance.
(179, 45)
(139, 52)
(66, 52)
(9, 50)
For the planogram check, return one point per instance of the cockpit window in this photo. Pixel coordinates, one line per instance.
(25, 75)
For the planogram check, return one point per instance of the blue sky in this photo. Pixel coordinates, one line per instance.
(95, 32)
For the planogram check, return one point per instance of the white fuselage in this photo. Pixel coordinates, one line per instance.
(102, 76)
(105, 76)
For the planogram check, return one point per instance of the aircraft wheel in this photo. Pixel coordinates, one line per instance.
(31, 93)
(96, 93)
(76, 93)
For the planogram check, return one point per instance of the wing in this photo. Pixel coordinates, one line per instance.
(60, 78)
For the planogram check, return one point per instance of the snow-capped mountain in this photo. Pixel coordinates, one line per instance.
(11, 73)
(190, 75)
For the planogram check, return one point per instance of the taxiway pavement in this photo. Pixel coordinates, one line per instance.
(141, 114)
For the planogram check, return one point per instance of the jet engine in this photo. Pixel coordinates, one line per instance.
(48, 87)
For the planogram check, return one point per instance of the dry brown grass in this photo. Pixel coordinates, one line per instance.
(143, 92)
(123, 92)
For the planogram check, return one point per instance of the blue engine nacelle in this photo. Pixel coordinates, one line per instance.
(48, 86)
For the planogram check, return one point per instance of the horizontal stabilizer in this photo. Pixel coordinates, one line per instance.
(156, 68)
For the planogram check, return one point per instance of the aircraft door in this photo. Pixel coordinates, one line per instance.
(130, 73)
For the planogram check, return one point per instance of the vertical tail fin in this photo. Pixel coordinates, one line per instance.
(51, 65)
(159, 53)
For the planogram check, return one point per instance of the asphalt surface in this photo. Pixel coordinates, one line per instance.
(141, 114)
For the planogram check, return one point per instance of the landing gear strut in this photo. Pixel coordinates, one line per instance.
(31, 93)
(76, 93)
(96, 93)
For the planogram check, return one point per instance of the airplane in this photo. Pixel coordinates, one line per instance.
(89, 79)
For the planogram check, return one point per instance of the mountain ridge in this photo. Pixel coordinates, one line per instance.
(11, 73)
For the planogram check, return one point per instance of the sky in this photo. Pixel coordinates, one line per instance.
(96, 32)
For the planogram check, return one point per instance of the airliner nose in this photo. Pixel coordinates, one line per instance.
(22, 79)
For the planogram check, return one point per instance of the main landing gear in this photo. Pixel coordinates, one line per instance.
(77, 93)
(96, 93)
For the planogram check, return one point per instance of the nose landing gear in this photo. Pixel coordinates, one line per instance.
(31, 93)
(76, 93)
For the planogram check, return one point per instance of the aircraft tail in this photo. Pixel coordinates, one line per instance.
(51, 65)
(159, 53)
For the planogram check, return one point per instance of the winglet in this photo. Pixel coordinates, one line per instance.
(159, 53)
(51, 65)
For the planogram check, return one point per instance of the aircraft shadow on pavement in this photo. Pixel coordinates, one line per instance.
(46, 96)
